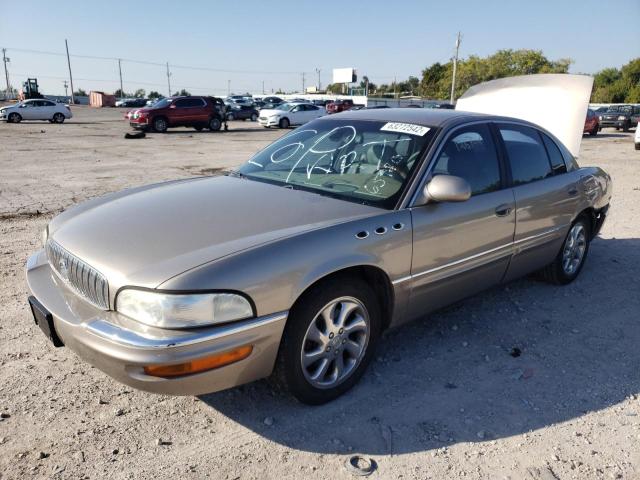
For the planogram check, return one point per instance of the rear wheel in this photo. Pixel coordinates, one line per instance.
(58, 118)
(160, 124)
(215, 124)
(594, 131)
(230, 116)
(637, 146)
(329, 340)
(284, 123)
(571, 257)
(254, 117)
(14, 117)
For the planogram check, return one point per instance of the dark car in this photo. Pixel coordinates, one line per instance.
(270, 106)
(135, 102)
(273, 100)
(338, 106)
(196, 112)
(620, 116)
(238, 111)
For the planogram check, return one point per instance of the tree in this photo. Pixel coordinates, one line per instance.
(140, 93)
(120, 94)
(153, 95)
(611, 85)
(182, 93)
(80, 93)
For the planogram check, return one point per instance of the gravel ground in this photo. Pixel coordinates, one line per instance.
(524, 381)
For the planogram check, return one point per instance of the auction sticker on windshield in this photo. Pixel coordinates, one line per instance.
(405, 128)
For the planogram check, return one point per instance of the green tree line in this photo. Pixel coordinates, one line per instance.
(611, 85)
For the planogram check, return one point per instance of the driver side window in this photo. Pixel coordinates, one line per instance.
(470, 153)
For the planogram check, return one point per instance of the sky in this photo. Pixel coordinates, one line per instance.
(246, 44)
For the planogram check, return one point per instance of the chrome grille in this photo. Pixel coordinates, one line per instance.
(85, 280)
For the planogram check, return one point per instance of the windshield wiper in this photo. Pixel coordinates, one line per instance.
(235, 173)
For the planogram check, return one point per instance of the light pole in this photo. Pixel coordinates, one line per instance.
(318, 72)
(455, 67)
(6, 60)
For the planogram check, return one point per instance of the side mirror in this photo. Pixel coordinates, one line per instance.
(446, 188)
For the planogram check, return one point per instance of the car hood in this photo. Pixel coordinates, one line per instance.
(148, 235)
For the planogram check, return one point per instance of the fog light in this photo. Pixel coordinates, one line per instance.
(201, 364)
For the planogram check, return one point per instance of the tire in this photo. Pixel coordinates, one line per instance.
(160, 124)
(230, 116)
(594, 132)
(284, 123)
(58, 118)
(637, 146)
(352, 346)
(625, 127)
(14, 117)
(215, 124)
(254, 117)
(557, 272)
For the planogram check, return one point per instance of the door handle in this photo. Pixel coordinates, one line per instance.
(503, 210)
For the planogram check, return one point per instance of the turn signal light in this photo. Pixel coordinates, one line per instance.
(201, 364)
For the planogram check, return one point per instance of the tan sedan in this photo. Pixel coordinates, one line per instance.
(297, 262)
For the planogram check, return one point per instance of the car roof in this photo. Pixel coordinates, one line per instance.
(429, 117)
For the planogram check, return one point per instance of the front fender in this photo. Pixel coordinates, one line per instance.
(276, 274)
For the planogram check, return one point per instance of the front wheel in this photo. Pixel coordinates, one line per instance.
(625, 127)
(594, 132)
(58, 118)
(14, 118)
(230, 116)
(329, 340)
(571, 257)
(254, 117)
(284, 123)
(160, 124)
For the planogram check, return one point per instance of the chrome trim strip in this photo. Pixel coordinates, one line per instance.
(478, 255)
(128, 338)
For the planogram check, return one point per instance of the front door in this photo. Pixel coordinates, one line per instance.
(460, 248)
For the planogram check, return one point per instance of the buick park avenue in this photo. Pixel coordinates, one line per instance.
(294, 264)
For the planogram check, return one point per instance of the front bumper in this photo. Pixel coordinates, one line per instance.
(268, 121)
(121, 347)
(612, 123)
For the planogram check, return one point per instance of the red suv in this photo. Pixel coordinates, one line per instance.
(196, 112)
(591, 123)
(339, 106)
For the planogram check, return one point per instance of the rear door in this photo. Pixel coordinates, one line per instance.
(460, 248)
(47, 110)
(546, 196)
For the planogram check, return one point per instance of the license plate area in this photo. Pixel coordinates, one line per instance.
(44, 320)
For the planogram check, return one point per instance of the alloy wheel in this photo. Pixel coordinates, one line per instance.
(335, 342)
(574, 247)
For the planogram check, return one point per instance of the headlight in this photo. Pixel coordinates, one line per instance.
(168, 310)
(622, 117)
(600, 117)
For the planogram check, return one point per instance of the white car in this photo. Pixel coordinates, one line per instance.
(637, 139)
(36, 109)
(286, 114)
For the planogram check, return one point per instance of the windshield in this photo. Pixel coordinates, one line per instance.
(284, 106)
(165, 102)
(361, 161)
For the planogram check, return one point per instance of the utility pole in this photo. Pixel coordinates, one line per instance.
(6, 60)
(168, 79)
(318, 72)
(395, 87)
(302, 82)
(455, 67)
(65, 88)
(120, 71)
(70, 76)
(228, 88)
(263, 87)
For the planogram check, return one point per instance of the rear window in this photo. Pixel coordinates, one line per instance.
(555, 156)
(527, 155)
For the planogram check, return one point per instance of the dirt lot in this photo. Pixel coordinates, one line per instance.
(443, 399)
